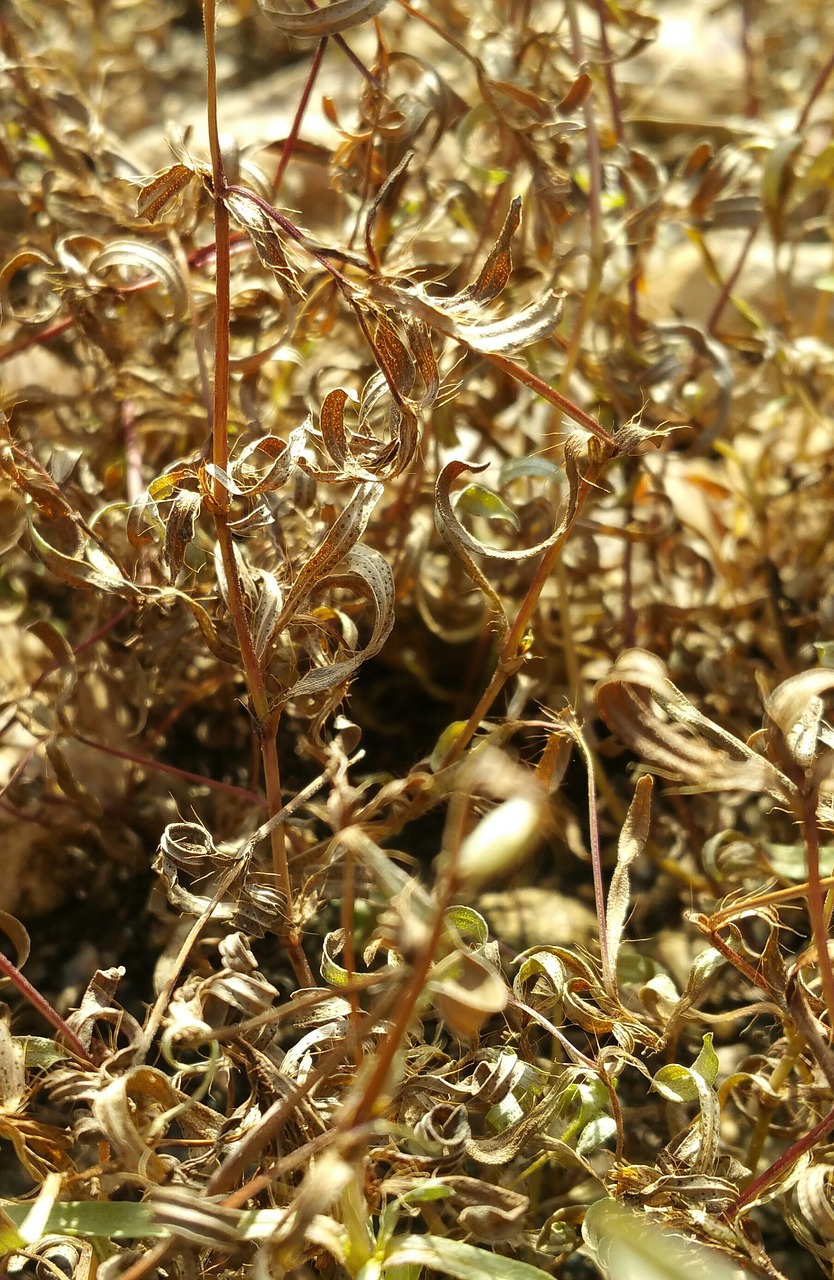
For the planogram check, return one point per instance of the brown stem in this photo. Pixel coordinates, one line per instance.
(360, 1111)
(348, 52)
(597, 244)
(619, 130)
(816, 89)
(816, 904)
(729, 283)
(550, 394)
(267, 727)
(158, 766)
(266, 719)
(511, 656)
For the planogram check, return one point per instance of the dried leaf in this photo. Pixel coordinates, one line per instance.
(77, 572)
(625, 698)
(370, 572)
(180, 526)
(43, 303)
(263, 231)
(12, 1071)
(397, 364)
(161, 189)
(815, 1200)
(796, 709)
(495, 272)
(329, 20)
(342, 535)
(126, 1110)
(270, 604)
(530, 324)
(464, 546)
(633, 837)
(148, 259)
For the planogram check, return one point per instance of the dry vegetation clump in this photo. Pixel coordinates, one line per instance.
(416, 793)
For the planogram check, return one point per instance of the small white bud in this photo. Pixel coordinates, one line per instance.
(500, 840)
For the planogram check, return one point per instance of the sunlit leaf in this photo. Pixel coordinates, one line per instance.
(632, 840)
(458, 1259)
(630, 1245)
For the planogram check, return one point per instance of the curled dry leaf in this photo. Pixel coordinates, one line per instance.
(282, 459)
(328, 20)
(641, 705)
(158, 191)
(347, 1104)
(148, 259)
(815, 1199)
(529, 325)
(799, 735)
(463, 545)
(180, 526)
(195, 1218)
(466, 991)
(370, 572)
(459, 316)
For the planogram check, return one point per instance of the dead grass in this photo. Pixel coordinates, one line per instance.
(417, 625)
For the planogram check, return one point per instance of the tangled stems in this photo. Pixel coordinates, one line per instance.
(266, 718)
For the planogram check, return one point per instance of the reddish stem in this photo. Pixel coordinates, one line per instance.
(785, 1161)
(295, 128)
(44, 1008)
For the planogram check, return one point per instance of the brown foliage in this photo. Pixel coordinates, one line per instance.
(267, 642)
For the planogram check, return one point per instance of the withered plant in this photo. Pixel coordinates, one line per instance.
(417, 621)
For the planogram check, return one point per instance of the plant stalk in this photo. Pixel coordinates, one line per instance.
(265, 718)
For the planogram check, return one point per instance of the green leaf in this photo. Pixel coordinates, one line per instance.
(97, 1218)
(458, 1260)
(679, 1084)
(40, 1051)
(430, 1189)
(600, 1130)
(825, 648)
(118, 1220)
(628, 1245)
(706, 1064)
(475, 500)
(470, 924)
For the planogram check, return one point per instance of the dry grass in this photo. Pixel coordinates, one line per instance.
(415, 491)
